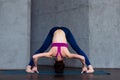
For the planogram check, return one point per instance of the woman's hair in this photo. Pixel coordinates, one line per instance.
(59, 66)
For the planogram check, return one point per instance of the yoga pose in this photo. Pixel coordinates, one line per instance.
(72, 42)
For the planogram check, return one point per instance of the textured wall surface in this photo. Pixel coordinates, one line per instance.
(14, 34)
(95, 25)
(104, 37)
(70, 13)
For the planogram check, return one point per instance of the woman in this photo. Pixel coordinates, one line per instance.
(71, 41)
(59, 49)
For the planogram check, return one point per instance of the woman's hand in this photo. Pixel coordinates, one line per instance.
(34, 69)
(84, 69)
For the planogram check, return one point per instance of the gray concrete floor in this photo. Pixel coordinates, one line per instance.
(115, 75)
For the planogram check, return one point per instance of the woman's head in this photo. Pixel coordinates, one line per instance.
(59, 67)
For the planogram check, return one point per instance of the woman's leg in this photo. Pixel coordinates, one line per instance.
(74, 45)
(45, 45)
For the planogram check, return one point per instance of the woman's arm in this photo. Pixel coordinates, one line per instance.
(36, 57)
(81, 58)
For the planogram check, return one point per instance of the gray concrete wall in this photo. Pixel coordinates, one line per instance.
(70, 13)
(14, 33)
(104, 37)
(94, 24)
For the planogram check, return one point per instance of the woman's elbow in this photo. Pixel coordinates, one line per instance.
(34, 57)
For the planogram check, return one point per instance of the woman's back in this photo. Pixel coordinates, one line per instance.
(59, 37)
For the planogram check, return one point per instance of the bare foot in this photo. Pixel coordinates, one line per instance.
(28, 69)
(34, 69)
(90, 69)
(84, 69)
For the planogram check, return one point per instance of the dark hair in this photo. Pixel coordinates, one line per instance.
(59, 66)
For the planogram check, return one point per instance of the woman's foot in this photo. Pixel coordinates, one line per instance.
(28, 69)
(90, 69)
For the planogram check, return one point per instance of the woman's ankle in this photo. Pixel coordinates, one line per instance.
(90, 66)
(29, 69)
(28, 66)
(90, 69)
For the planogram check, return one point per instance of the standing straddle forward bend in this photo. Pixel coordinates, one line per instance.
(61, 46)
